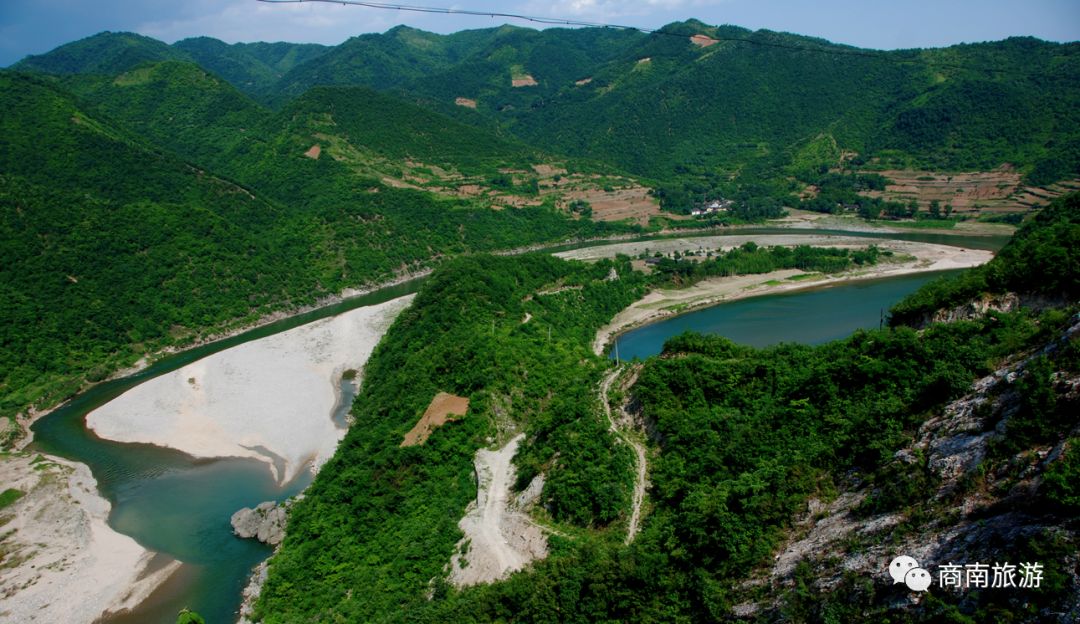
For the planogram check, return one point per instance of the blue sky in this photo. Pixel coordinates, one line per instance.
(36, 26)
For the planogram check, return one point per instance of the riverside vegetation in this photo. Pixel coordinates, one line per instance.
(113, 248)
(152, 195)
(739, 437)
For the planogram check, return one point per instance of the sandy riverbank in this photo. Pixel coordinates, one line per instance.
(660, 303)
(806, 220)
(269, 399)
(32, 414)
(62, 562)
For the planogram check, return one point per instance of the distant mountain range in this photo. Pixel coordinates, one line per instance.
(270, 174)
(690, 105)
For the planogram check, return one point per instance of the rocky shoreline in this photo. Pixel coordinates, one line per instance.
(267, 523)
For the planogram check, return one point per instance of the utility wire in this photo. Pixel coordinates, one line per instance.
(556, 21)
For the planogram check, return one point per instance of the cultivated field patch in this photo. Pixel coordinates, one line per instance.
(976, 192)
(703, 41)
(443, 408)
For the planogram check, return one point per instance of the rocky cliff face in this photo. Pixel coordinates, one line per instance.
(960, 493)
(979, 308)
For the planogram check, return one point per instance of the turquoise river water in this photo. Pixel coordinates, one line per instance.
(180, 506)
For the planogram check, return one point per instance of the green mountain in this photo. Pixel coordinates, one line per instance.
(470, 63)
(251, 67)
(380, 60)
(400, 131)
(724, 110)
(114, 246)
(781, 481)
(104, 53)
(701, 109)
(178, 105)
(109, 247)
(361, 134)
(761, 107)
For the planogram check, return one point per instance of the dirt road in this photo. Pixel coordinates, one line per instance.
(499, 537)
(619, 428)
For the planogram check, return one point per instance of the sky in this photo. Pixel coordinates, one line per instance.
(37, 26)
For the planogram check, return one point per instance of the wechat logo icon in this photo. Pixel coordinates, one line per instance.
(906, 570)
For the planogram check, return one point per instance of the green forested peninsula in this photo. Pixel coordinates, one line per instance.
(739, 440)
(152, 195)
(512, 334)
(1042, 261)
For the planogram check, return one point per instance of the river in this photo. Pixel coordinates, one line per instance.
(180, 506)
(177, 505)
(808, 316)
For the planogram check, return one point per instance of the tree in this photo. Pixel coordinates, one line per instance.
(935, 209)
(187, 616)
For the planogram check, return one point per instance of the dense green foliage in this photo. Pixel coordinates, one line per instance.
(837, 193)
(1043, 258)
(1061, 484)
(183, 108)
(477, 64)
(751, 259)
(400, 130)
(104, 53)
(380, 521)
(252, 67)
(740, 437)
(178, 106)
(145, 202)
(111, 248)
(744, 436)
(9, 496)
(189, 617)
(743, 118)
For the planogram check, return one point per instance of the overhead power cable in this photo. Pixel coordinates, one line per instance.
(558, 21)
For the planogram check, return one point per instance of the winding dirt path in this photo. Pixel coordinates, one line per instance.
(641, 462)
(499, 537)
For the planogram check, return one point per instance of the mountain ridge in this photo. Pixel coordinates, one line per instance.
(714, 110)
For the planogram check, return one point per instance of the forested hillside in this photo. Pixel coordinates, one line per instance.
(378, 526)
(252, 67)
(741, 441)
(702, 110)
(184, 108)
(472, 63)
(154, 195)
(113, 247)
